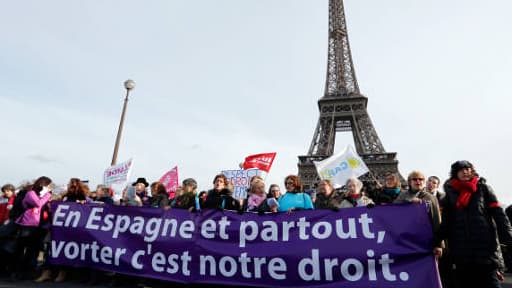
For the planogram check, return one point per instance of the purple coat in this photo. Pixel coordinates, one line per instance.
(33, 204)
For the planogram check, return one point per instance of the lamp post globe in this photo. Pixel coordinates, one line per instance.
(129, 84)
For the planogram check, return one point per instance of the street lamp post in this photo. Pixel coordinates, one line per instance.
(129, 85)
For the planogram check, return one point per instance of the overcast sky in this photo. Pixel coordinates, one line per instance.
(219, 80)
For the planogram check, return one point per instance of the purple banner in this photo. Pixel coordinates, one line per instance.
(385, 246)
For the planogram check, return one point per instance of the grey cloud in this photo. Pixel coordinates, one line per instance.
(42, 158)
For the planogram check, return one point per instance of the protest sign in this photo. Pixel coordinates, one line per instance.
(355, 247)
(116, 177)
(241, 180)
(338, 168)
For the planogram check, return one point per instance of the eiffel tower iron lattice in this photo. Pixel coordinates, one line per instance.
(343, 109)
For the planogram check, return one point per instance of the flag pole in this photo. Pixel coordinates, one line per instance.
(373, 175)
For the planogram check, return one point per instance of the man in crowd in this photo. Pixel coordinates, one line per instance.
(433, 187)
(417, 194)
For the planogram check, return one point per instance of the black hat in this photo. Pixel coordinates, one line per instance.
(141, 180)
(459, 165)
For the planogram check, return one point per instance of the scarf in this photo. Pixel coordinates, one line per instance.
(255, 200)
(352, 199)
(392, 191)
(354, 196)
(465, 190)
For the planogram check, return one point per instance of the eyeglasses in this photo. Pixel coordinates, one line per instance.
(275, 190)
(418, 179)
(289, 183)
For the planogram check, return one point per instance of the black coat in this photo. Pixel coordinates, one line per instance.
(107, 200)
(185, 201)
(159, 201)
(472, 231)
(221, 200)
(17, 207)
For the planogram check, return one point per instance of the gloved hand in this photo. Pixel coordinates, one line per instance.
(43, 191)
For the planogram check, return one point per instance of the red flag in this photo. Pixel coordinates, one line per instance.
(261, 161)
(170, 181)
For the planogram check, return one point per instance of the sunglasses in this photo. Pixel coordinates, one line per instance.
(418, 179)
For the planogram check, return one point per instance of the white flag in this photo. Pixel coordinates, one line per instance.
(338, 168)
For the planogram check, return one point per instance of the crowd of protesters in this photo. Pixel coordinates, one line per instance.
(472, 234)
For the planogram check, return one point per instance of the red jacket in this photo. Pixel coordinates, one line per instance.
(5, 208)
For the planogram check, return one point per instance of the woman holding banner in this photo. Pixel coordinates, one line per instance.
(294, 198)
(220, 197)
(140, 190)
(77, 192)
(326, 197)
(390, 191)
(257, 199)
(159, 196)
(187, 199)
(354, 197)
(471, 221)
(274, 191)
(273, 195)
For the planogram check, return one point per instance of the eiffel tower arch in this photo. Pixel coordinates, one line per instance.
(343, 109)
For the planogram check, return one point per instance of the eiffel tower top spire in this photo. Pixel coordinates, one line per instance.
(341, 78)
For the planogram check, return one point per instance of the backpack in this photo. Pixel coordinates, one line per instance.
(17, 207)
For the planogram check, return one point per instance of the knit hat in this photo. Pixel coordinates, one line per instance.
(190, 182)
(459, 165)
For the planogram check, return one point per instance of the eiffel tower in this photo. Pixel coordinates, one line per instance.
(343, 108)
